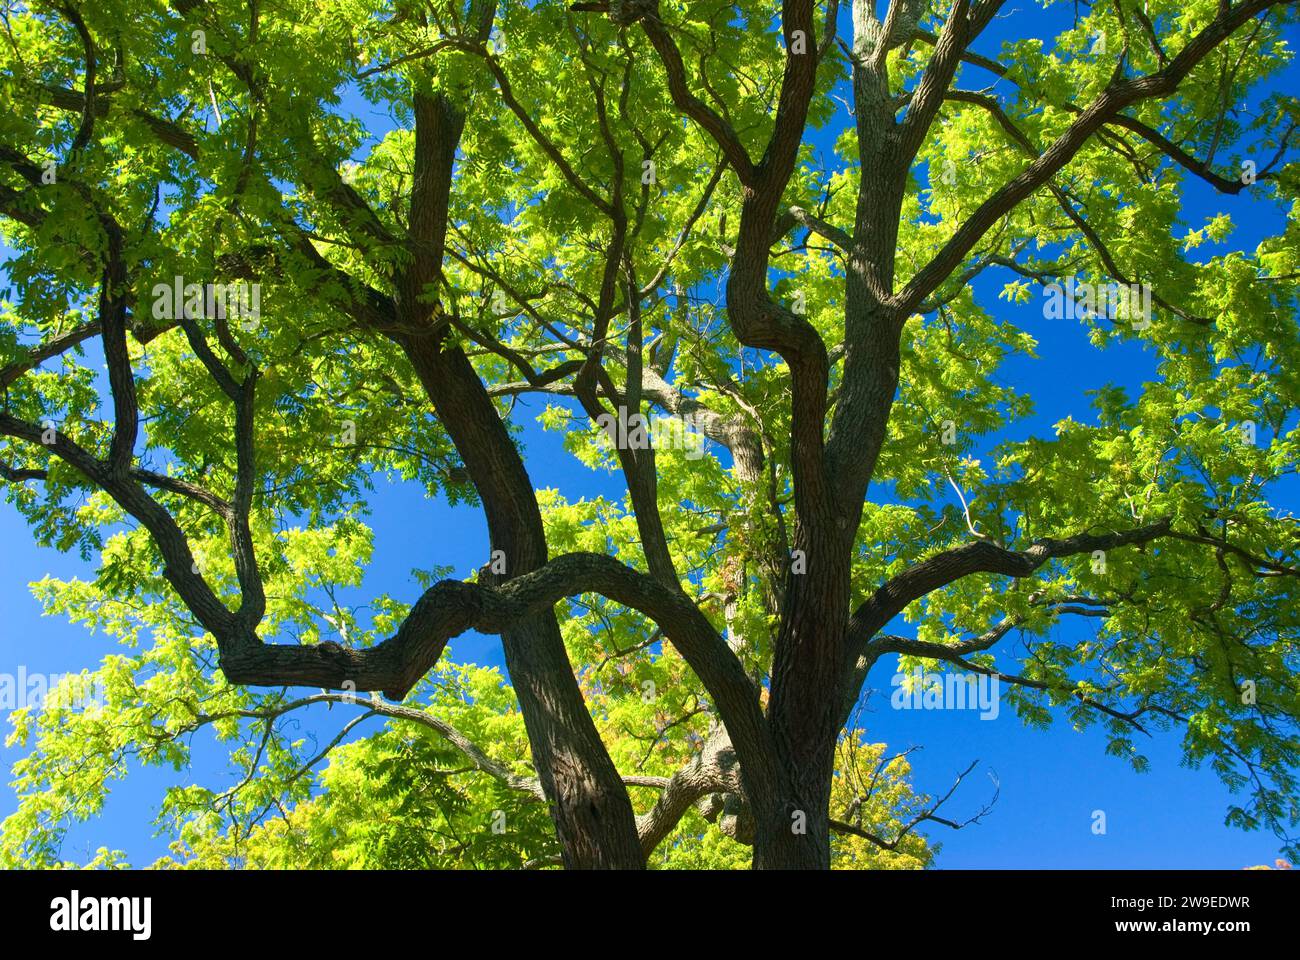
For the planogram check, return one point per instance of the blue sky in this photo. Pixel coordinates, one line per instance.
(1049, 782)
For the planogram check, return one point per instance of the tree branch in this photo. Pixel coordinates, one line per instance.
(983, 557)
(1118, 94)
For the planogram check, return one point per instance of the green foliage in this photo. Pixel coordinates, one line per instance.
(1189, 619)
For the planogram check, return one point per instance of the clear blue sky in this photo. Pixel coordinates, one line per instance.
(1050, 782)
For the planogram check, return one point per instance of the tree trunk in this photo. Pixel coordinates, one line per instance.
(798, 836)
(589, 804)
(807, 672)
(593, 816)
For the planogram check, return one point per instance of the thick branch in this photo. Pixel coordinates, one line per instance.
(679, 88)
(1118, 95)
(450, 607)
(981, 557)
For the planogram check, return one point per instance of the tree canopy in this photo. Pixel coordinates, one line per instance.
(766, 264)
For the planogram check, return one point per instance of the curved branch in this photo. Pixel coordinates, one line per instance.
(1117, 95)
(450, 607)
(931, 814)
(709, 119)
(47, 350)
(983, 557)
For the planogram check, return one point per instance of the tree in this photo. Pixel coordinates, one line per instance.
(621, 205)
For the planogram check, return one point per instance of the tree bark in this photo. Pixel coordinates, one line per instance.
(593, 815)
(589, 804)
